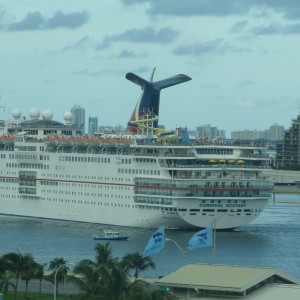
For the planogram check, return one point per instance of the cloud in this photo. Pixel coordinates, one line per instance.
(81, 44)
(245, 83)
(91, 73)
(239, 27)
(210, 86)
(246, 104)
(36, 21)
(194, 7)
(289, 9)
(277, 29)
(143, 35)
(217, 46)
(125, 53)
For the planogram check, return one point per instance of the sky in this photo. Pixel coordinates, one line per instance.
(243, 57)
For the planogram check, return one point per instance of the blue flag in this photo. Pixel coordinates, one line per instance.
(156, 242)
(201, 239)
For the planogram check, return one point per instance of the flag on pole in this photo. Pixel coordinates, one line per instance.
(201, 239)
(156, 242)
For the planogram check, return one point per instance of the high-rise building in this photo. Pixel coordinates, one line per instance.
(93, 125)
(248, 134)
(210, 131)
(78, 116)
(288, 150)
(276, 132)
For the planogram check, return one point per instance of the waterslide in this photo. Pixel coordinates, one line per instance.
(140, 124)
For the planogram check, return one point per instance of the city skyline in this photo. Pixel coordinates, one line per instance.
(241, 56)
(91, 125)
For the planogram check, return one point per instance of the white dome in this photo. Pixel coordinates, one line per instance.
(47, 114)
(34, 113)
(16, 113)
(68, 116)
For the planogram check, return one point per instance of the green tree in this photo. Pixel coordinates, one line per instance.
(59, 267)
(6, 282)
(15, 263)
(2, 265)
(117, 285)
(107, 278)
(104, 255)
(39, 275)
(88, 277)
(89, 274)
(28, 270)
(138, 263)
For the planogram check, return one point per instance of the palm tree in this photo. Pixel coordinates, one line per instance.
(2, 265)
(6, 282)
(138, 263)
(28, 270)
(15, 263)
(87, 276)
(116, 284)
(39, 275)
(104, 255)
(5, 277)
(59, 267)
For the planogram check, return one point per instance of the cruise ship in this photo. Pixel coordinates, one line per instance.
(145, 177)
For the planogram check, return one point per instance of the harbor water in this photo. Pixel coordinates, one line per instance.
(272, 240)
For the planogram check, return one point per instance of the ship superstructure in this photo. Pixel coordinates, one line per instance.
(146, 177)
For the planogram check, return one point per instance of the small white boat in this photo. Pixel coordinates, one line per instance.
(110, 235)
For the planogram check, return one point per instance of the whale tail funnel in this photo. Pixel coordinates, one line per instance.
(149, 99)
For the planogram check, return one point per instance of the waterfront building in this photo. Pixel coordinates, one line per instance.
(288, 150)
(93, 125)
(78, 116)
(210, 132)
(202, 281)
(276, 132)
(248, 134)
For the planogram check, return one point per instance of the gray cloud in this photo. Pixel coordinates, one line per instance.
(277, 29)
(81, 44)
(36, 21)
(144, 35)
(125, 53)
(217, 46)
(245, 83)
(289, 9)
(210, 86)
(194, 7)
(239, 27)
(91, 73)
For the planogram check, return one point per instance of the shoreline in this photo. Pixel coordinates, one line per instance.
(285, 182)
(286, 190)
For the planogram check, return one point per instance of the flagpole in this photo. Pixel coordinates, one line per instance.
(213, 249)
(214, 225)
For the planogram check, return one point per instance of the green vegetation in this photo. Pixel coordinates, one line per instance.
(35, 296)
(105, 278)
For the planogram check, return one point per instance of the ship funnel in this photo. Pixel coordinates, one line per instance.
(149, 100)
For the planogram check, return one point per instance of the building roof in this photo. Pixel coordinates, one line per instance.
(222, 278)
(276, 292)
(41, 122)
